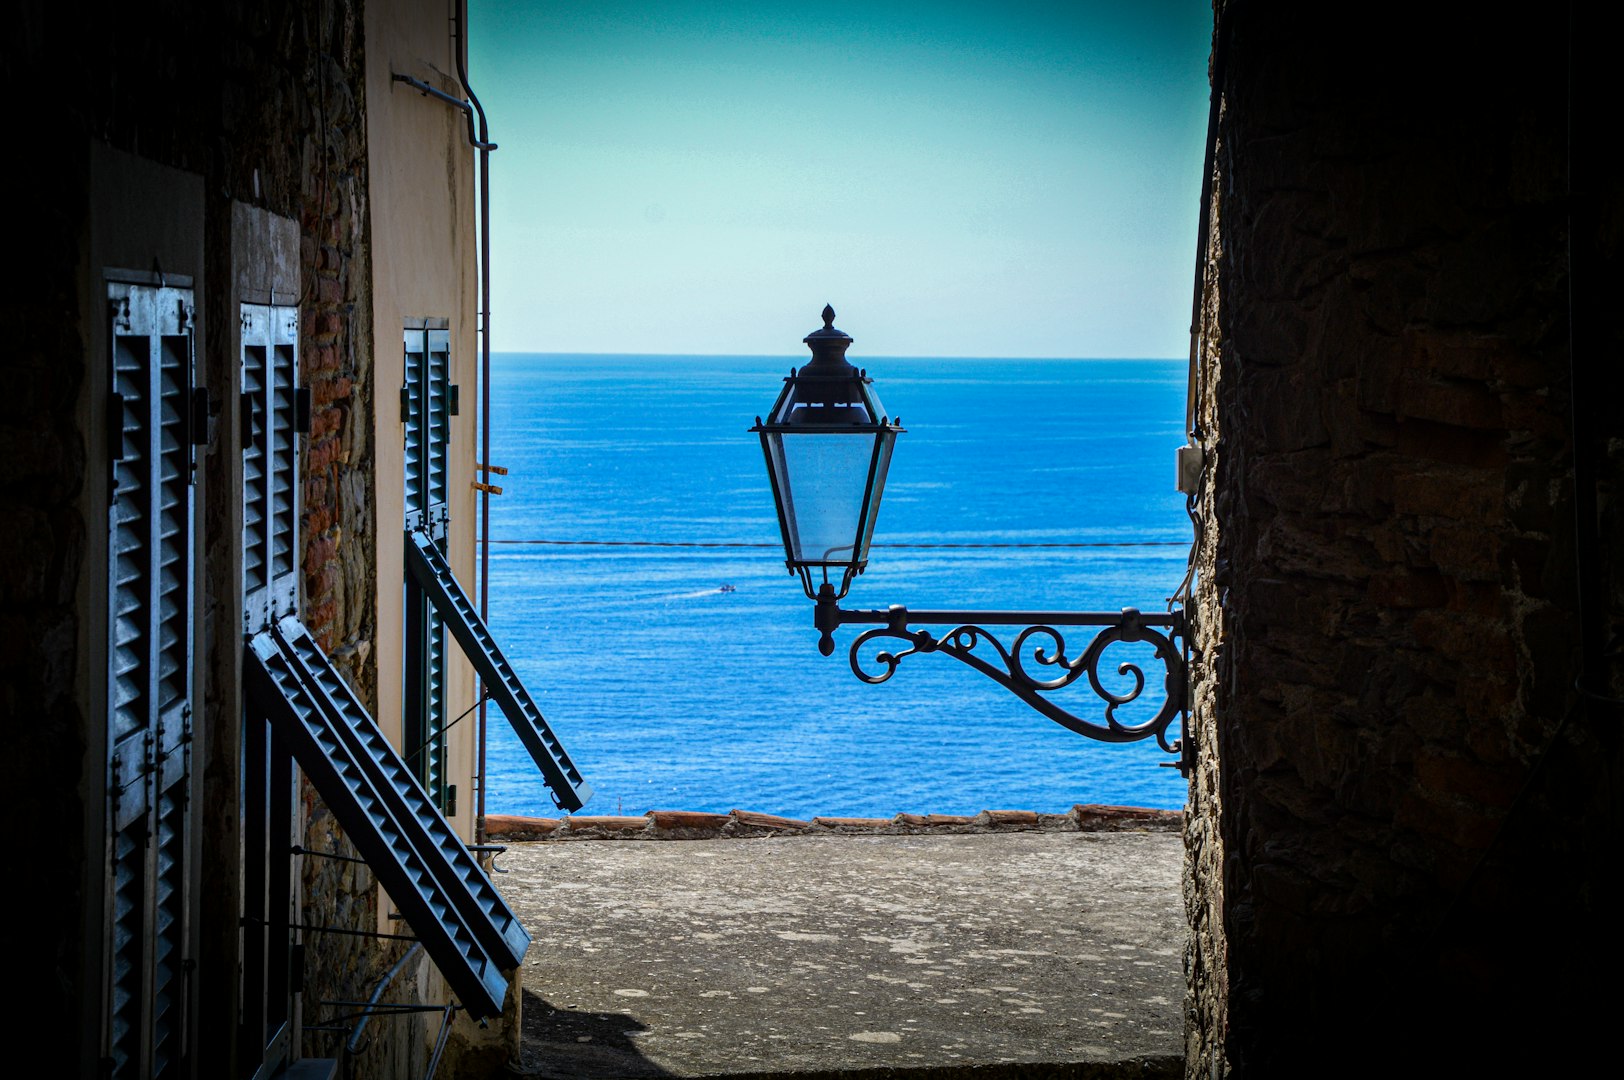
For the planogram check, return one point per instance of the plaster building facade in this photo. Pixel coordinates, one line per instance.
(240, 390)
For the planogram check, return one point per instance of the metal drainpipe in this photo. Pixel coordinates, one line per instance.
(353, 1044)
(484, 146)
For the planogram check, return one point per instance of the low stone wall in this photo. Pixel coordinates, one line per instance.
(691, 825)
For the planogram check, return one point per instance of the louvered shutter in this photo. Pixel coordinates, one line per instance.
(268, 425)
(499, 930)
(427, 566)
(268, 421)
(425, 399)
(424, 737)
(425, 407)
(150, 635)
(393, 829)
(437, 430)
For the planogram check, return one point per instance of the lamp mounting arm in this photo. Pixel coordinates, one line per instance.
(1040, 642)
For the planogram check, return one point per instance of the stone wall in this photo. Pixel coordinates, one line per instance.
(1402, 808)
(266, 104)
(293, 94)
(42, 471)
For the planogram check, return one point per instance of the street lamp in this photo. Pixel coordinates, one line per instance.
(827, 443)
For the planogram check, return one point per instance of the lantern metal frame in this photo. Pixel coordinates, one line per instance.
(829, 376)
(1168, 635)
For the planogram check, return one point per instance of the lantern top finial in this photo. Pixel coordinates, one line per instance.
(828, 345)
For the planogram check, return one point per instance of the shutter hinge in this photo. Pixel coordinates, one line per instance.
(199, 416)
(451, 800)
(405, 403)
(454, 399)
(301, 410)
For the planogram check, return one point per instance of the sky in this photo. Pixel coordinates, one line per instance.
(1005, 179)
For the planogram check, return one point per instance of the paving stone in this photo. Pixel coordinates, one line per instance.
(1012, 953)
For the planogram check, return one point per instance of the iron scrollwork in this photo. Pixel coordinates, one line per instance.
(1042, 643)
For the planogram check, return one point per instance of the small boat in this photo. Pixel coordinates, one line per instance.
(726, 588)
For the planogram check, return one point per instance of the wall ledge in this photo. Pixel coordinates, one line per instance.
(744, 824)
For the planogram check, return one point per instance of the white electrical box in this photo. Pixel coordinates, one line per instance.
(1189, 468)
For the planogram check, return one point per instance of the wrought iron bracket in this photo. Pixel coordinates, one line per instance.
(1039, 641)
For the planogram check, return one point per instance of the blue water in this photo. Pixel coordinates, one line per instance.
(671, 693)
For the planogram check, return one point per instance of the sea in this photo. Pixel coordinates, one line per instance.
(688, 677)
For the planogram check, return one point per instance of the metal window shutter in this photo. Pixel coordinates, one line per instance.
(499, 930)
(426, 413)
(270, 376)
(173, 577)
(256, 526)
(437, 429)
(126, 961)
(425, 737)
(284, 457)
(150, 636)
(425, 402)
(268, 408)
(130, 558)
(169, 923)
(434, 754)
(301, 712)
(411, 412)
(432, 573)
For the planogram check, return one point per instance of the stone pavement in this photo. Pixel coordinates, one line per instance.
(990, 954)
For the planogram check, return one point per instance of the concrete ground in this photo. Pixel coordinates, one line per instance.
(992, 954)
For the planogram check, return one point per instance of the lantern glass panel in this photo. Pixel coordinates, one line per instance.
(822, 477)
(888, 440)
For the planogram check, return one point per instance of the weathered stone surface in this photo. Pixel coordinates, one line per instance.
(688, 825)
(588, 823)
(506, 827)
(999, 955)
(851, 822)
(1386, 611)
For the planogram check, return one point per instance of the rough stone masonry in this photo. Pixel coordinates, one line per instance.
(1402, 806)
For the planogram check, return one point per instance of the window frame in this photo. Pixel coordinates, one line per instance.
(270, 405)
(428, 400)
(149, 919)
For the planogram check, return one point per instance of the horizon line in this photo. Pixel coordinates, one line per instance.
(877, 356)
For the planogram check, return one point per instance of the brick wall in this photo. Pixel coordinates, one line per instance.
(1401, 804)
(295, 77)
(291, 95)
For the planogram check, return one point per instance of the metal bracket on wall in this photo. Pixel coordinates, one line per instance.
(1167, 635)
